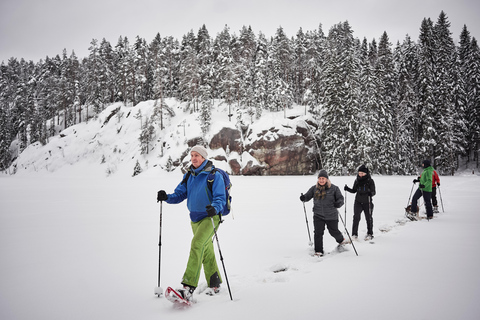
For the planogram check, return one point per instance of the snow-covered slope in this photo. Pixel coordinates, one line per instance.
(110, 143)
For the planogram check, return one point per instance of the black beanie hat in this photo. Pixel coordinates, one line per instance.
(363, 168)
(426, 163)
(323, 173)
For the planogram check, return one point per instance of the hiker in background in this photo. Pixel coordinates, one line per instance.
(424, 189)
(364, 187)
(327, 198)
(203, 205)
(435, 183)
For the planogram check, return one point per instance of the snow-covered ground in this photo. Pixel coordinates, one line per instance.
(75, 244)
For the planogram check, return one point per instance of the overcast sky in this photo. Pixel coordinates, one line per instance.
(34, 29)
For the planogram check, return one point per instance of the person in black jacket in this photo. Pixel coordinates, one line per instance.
(364, 187)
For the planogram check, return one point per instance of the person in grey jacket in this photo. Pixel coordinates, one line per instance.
(327, 198)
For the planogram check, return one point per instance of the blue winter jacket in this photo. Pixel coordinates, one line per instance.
(197, 192)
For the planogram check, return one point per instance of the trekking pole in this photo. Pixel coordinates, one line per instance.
(348, 234)
(441, 201)
(370, 213)
(310, 243)
(221, 258)
(345, 208)
(410, 197)
(158, 289)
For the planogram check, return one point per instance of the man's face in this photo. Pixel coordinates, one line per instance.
(197, 159)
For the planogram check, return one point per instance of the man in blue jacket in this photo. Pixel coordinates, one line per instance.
(203, 204)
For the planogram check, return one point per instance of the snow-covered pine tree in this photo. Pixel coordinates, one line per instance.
(384, 111)
(315, 53)
(142, 72)
(299, 66)
(469, 60)
(424, 132)
(137, 169)
(146, 136)
(224, 69)
(338, 119)
(189, 73)
(281, 59)
(261, 76)
(205, 116)
(108, 78)
(406, 60)
(369, 99)
(204, 63)
(448, 124)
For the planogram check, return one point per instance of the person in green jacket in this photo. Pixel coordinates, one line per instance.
(424, 189)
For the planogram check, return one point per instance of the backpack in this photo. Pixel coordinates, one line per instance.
(228, 186)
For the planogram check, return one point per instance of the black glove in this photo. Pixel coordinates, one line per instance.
(302, 198)
(422, 186)
(438, 184)
(370, 194)
(162, 195)
(211, 211)
(346, 188)
(416, 180)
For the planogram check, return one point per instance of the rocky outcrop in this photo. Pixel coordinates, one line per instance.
(227, 139)
(285, 149)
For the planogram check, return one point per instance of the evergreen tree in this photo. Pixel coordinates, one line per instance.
(424, 134)
(189, 72)
(407, 104)
(261, 76)
(299, 66)
(244, 54)
(338, 120)
(448, 125)
(224, 69)
(281, 54)
(146, 136)
(469, 65)
(384, 112)
(315, 57)
(369, 101)
(137, 169)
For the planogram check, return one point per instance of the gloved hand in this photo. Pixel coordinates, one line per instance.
(302, 198)
(422, 186)
(211, 211)
(438, 184)
(346, 188)
(370, 194)
(162, 195)
(416, 180)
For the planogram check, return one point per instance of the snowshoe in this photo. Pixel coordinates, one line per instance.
(411, 215)
(179, 297)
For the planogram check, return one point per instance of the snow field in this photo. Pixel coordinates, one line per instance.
(78, 246)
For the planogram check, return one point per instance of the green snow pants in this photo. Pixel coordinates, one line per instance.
(202, 253)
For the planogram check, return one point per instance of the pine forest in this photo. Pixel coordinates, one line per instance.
(387, 105)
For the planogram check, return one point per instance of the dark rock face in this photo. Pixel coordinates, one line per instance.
(277, 152)
(227, 137)
(286, 155)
